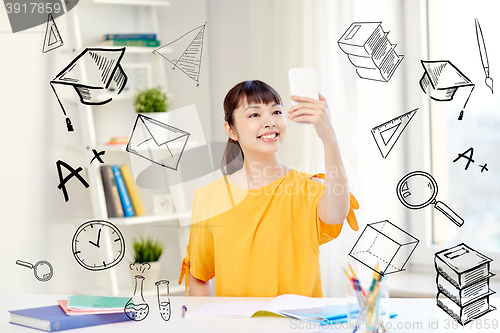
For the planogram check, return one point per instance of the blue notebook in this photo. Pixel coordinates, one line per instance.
(128, 210)
(52, 319)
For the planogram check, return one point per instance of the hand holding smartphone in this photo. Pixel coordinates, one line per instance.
(303, 82)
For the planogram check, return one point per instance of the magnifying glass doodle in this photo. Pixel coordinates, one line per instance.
(44, 266)
(419, 189)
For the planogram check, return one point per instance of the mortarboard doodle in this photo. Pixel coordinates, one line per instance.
(444, 79)
(52, 39)
(157, 142)
(189, 52)
(91, 72)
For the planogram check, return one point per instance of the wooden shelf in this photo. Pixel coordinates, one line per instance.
(148, 218)
(121, 148)
(160, 3)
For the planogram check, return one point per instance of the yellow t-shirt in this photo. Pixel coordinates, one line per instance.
(267, 243)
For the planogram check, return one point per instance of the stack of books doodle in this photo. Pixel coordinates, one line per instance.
(463, 282)
(141, 40)
(370, 51)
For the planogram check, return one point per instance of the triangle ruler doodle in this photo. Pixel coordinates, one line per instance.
(187, 52)
(387, 134)
(52, 39)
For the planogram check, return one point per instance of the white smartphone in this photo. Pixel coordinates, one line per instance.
(303, 82)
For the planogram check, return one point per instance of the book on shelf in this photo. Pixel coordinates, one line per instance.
(130, 42)
(133, 192)
(118, 140)
(52, 318)
(129, 36)
(128, 209)
(113, 202)
(370, 51)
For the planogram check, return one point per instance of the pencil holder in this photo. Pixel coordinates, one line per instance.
(367, 305)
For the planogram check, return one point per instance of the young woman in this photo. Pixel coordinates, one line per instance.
(267, 244)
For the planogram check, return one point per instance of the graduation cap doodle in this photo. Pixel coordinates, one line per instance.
(444, 79)
(91, 72)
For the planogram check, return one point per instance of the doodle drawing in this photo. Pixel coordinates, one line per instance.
(97, 155)
(384, 246)
(157, 142)
(387, 134)
(484, 56)
(484, 167)
(73, 173)
(419, 189)
(370, 51)
(136, 308)
(44, 266)
(444, 79)
(89, 244)
(467, 157)
(52, 39)
(163, 305)
(187, 58)
(463, 283)
(103, 72)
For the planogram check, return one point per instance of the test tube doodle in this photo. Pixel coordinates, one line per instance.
(163, 305)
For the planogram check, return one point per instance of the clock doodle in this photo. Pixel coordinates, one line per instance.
(90, 244)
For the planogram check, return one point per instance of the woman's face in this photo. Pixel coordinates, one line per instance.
(258, 127)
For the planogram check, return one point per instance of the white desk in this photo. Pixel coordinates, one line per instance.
(411, 312)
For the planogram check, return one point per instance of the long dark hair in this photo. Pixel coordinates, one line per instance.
(254, 92)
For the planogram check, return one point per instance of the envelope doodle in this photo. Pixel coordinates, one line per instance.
(157, 142)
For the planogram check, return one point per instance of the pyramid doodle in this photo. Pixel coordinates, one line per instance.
(187, 53)
(52, 39)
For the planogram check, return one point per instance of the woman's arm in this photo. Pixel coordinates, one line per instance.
(198, 287)
(333, 207)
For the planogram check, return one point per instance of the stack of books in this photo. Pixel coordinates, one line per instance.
(75, 312)
(370, 51)
(122, 196)
(463, 278)
(143, 40)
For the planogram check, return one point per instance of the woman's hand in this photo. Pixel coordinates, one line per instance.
(313, 112)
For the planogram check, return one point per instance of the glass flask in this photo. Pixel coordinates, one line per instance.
(163, 302)
(136, 308)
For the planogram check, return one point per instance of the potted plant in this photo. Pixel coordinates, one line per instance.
(147, 253)
(153, 101)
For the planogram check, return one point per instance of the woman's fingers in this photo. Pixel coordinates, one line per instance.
(299, 106)
(307, 99)
(304, 118)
